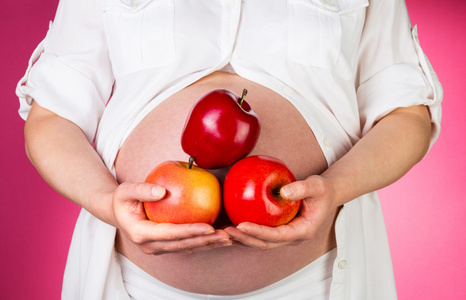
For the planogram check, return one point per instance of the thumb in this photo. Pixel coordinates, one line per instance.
(157, 192)
(299, 190)
(141, 191)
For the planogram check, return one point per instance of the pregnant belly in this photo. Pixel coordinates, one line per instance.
(229, 270)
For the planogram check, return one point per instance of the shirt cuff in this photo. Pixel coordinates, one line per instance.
(62, 90)
(402, 85)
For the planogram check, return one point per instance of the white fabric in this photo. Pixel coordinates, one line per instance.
(344, 64)
(310, 283)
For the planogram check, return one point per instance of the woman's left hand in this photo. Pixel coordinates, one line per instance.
(315, 218)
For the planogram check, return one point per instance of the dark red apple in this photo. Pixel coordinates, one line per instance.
(251, 192)
(221, 128)
(193, 194)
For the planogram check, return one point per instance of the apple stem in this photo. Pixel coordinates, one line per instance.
(191, 161)
(245, 92)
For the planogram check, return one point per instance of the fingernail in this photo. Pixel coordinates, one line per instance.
(158, 191)
(227, 242)
(287, 191)
(241, 229)
(209, 232)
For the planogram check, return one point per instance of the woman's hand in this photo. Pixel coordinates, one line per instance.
(395, 144)
(314, 220)
(160, 238)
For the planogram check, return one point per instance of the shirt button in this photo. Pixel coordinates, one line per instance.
(342, 264)
(328, 3)
(327, 143)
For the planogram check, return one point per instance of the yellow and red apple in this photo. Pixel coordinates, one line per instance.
(193, 194)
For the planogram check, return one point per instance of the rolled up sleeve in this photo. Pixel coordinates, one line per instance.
(70, 73)
(393, 70)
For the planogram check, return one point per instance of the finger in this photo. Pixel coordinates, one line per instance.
(148, 231)
(241, 237)
(141, 191)
(297, 230)
(207, 247)
(311, 187)
(188, 245)
(279, 234)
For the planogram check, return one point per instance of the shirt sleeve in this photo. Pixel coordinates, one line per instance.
(70, 73)
(393, 71)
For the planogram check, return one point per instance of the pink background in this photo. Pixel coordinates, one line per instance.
(424, 211)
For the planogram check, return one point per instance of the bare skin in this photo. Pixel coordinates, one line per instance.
(153, 141)
(63, 156)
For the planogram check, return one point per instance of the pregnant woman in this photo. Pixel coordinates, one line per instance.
(346, 99)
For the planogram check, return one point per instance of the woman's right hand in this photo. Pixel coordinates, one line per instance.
(159, 238)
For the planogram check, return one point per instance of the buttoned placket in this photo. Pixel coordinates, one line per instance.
(341, 264)
(231, 15)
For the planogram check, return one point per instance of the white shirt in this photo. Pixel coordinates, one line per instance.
(344, 64)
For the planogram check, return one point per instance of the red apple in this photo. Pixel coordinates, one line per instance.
(193, 195)
(221, 128)
(251, 192)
